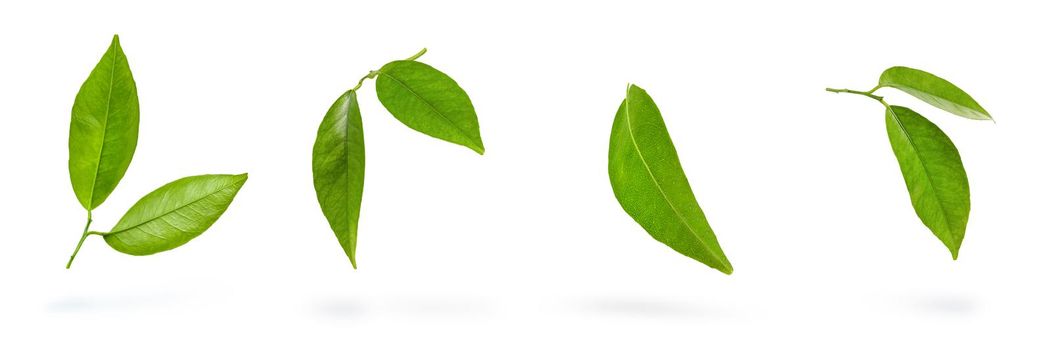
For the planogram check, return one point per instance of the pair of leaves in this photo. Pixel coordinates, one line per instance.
(102, 139)
(419, 96)
(929, 161)
(651, 186)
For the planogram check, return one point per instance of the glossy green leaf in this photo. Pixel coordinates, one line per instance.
(174, 214)
(339, 170)
(936, 91)
(933, 173)
(104, 128)
(651, 186)
(430, 102)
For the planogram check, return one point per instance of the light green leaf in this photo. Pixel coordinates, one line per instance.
(651, 186)
(339, 170)
(174, 214)
(430, 102)
(934, 90)
(104, 128)
(933, 173)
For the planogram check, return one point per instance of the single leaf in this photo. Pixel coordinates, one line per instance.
(651, 186)
(430, 102)
(933, 173)
(104, 128)
(339, 170)
(935, 91)
(174, 214)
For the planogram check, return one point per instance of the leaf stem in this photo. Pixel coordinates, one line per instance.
(374, 73)
(417, 55)
(82, 238)
(868, 94)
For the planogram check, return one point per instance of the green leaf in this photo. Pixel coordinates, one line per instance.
(339, 170)
(430, 102)
(104, 128)
(933, 173)
(651, 186)
(934, 90)
(174, 214)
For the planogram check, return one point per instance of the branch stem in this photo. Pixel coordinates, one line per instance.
(372, 74)
(868, 94)
(81, 242)
(417, 55)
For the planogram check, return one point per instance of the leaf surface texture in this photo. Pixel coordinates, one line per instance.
(104, 128)
(174, 214)
(933, 173)
(339, 170)
(430, 102)
(651, 186)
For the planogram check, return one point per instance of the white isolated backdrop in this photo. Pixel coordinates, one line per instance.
(526, 247)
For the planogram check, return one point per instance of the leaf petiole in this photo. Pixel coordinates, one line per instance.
(81, 242)
(417, 55)
(374, 73)
(868, 94)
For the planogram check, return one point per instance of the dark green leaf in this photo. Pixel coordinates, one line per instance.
(174, 214)
(933, 173)
(104, 128)
(339, 170)
(430, 102)
(934, 90)
(651, 186)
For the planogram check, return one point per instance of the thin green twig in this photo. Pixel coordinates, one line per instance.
(82, 238)
(373, 73)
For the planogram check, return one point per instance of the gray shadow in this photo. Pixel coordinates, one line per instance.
(441, 307)
(945, 305)
(431, 307)
(111, 303)
(339, 309)
(656, 308)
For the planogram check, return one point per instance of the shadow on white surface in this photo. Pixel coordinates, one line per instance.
(456, 307)
(943, 305)
(448, 307)
(339, 309)
(658, 308)
(111, 303)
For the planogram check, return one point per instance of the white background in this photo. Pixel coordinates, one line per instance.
(526, 247)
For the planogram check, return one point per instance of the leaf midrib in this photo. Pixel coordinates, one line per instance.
(105, 126)
(431, 106)
(346, 153)
(172, 211)
(976, 109)
(645, 164)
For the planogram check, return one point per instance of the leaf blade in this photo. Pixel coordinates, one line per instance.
(174, 214)
(933, 173)
(933, 90)
(428, 101)
(339, 170)
(103, 128)
(652, 188)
